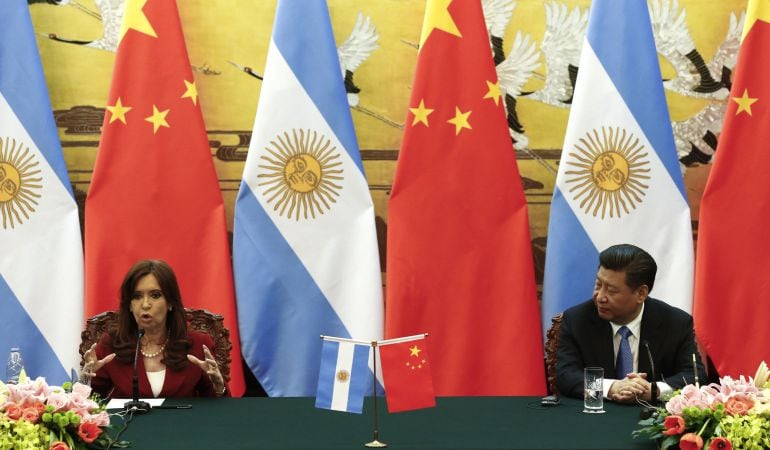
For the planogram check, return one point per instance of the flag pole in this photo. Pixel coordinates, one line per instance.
(375, 443)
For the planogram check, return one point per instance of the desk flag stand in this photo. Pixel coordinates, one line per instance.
(338, 367)
(375, 443)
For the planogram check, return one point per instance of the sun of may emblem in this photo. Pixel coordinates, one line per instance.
(299, 172)
(610, 168)
(19, 180)
(343, 376)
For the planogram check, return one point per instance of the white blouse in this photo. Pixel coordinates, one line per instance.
(156, 381)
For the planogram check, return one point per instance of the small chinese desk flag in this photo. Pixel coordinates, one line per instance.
(406, 373)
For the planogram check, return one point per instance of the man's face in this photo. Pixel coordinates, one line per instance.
(614, 300)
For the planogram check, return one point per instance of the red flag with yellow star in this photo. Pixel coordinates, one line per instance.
(733, 253)
(406, 374)
(459, 262)
(154, 192)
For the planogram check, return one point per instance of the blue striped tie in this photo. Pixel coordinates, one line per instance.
(624, 365)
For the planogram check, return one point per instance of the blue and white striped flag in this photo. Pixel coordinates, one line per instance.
(344, 377)
(619, 179)
(41, 264)
(304, 246)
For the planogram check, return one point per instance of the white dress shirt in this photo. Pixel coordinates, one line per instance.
(635, 326)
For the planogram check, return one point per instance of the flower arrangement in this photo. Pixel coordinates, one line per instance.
(734, 414)
(34, 415)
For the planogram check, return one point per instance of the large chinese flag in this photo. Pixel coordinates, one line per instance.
(154, 192)
(732, 270)
(459, 256)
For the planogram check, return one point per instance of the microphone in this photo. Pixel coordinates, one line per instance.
(136, 406)
(695, 371)
(653, 383)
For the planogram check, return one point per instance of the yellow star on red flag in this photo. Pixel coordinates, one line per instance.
(158, 119)
(421, 113)
(744, 102)
(191, 92)
(437, 17)
(135, 19)
(460, 120)
(118, 111)
(493, 91)
(414, 351)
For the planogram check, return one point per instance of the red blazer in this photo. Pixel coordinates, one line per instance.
(115, 378)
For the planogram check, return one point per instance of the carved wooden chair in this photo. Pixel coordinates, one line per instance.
(551, 344)
(199, 320)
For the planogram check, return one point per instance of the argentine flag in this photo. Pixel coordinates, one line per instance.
(344, 378)
(304, 246)
(41, 264)
(619, 179)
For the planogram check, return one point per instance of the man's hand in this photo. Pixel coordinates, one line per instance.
(628, 390)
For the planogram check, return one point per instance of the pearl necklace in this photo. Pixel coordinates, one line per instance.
(153, 355)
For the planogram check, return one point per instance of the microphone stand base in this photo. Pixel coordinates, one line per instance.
(646, 413)
(137, 407)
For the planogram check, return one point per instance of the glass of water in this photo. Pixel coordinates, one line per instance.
(593, 399)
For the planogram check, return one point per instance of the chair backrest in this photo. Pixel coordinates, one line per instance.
(197, 319)
(551, 344)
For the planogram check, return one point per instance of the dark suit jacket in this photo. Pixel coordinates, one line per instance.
(115, 378)
(586, 340)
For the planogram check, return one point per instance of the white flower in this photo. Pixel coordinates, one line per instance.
(760, 378)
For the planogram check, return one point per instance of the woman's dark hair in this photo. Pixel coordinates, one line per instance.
(123, 336)
(639, 266)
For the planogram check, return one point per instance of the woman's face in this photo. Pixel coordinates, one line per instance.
(148, 305)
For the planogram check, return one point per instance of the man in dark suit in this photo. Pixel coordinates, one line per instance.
(611, 330)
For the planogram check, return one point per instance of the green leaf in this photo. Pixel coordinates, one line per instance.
(669, 442)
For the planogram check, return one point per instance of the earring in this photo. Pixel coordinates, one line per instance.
(170, 308)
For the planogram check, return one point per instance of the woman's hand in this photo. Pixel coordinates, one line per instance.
(91, 364)
(210, 366)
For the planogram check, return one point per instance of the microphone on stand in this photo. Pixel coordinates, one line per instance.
(653, 383)
(650, 409)
(136, 406)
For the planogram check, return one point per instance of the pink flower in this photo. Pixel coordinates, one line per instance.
(738, 405)
(730, 387)
(690, 396)
(81, 412)
(691, 441)
(30, 415)
(58, 445)
(82, 389)
(58, 401)
(39, 387)
(676, 405)
(13, 411)
(674, 425)
(80, 402)
(89, 431)
(720, 443)
(691, 392)
(102, 418)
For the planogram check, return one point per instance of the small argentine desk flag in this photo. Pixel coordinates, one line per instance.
(41, 262)
(343, 376)
(619, 179)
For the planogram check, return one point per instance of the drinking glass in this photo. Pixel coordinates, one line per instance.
(593, 399)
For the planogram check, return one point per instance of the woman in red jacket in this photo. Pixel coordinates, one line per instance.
(173, 362)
